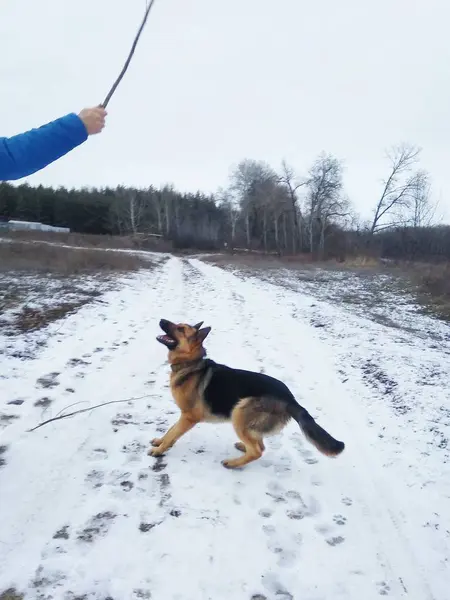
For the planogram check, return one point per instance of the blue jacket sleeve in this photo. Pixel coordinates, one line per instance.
(26, 153)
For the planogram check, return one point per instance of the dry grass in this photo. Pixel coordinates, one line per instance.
(40, 257)
(361, 261)
(41, 283)
(115, 242)
(30, 319)
(434, 281)
(301, 261)
(11, 594)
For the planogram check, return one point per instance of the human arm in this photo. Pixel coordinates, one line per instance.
(26, 153)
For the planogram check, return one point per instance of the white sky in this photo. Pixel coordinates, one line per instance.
(215, 81)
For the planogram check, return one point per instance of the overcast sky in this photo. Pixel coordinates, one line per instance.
(215, 81)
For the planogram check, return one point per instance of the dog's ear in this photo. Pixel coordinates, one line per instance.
(197, 327)
(201, 335)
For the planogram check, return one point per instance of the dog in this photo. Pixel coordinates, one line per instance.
(207, 392)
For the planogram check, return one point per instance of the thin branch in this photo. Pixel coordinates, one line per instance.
(77, 412)
(130, 56)
(388, 226)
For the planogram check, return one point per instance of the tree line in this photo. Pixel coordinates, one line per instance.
(279, 211)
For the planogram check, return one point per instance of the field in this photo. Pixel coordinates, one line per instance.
(86, 514)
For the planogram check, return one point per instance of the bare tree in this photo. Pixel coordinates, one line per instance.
(244, 182)
(324, 197)
(422, 208)
(289, 179)
(270, 202)
(228, 200)
(398, 187)
(130, 209)
(167, 201)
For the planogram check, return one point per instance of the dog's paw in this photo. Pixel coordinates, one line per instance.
(231, 463)
(155, 452)
(240, 446)
(156, 442)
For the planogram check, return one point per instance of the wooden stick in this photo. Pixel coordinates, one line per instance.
(77, 412)
(130, 56)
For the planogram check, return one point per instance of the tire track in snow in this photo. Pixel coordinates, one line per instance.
(393, 563)
(59, 464)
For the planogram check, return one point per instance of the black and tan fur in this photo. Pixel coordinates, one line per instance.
(257, 405)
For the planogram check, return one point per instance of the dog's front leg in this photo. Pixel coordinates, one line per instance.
(158, 441)
(182, 426)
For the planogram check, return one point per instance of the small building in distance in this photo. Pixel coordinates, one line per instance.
(13, 225)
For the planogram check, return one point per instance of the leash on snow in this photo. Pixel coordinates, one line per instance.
(83, 410)
(130, 56)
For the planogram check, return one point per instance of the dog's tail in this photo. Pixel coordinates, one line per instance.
(314, 433)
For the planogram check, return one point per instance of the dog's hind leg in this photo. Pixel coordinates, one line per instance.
(241, 446)
(251, 442)
(252, 452)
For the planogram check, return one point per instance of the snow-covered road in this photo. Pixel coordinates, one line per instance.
(85, 513)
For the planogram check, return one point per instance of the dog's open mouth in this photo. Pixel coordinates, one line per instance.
(167, 341)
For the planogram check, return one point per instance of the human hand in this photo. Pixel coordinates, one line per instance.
(93, 119)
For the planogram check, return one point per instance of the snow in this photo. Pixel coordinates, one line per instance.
(85, 513)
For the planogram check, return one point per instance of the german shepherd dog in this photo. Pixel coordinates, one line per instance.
(257, 405)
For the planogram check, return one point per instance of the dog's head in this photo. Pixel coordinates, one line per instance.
(185, 342)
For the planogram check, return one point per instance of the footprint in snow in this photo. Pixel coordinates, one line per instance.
(98, 454)
(285, 558)
(3, 450)
(159, 464)
(335, 541)
(126, 485)
(17, 402)
(95, 478)
(62, 534)
(326, 531)
(123, 419)
(97, 526)
(277, 589)
(44, 579)
(383, 588)
(49, 380)
(295, 515)
(285, 541)
(164, 488)
(340, 520)
(282, 466)
(134, 450)
(142, 594)
(306, 455)
(43, 402)
(77, 362)
(275, 491)
(7, 419)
